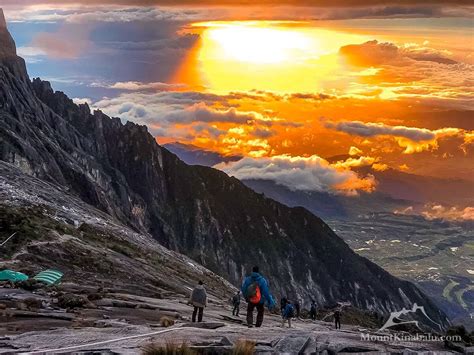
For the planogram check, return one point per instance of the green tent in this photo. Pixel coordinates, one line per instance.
(14, 276)
(49, 276)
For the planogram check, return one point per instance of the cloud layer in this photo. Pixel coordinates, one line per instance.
(300, 173)
(441, 212)
(413, 139)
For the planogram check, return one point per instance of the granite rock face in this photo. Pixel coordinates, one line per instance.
(8, 55)
(197, 211)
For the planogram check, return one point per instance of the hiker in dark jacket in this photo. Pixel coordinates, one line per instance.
(256, 293)
(298, 309)
(312, 310)
(236, 304)
(199, 300)
(283, 303)
(337, 318)
(288, 314)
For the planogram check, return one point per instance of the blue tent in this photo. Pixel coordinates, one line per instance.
(14, 276)
(49, 276)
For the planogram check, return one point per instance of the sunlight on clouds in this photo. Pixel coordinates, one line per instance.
(251, 43)
(276, 56)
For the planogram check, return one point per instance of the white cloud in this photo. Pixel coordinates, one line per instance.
(436, 211)
(82, 100)
(300, 173)
(139, 86)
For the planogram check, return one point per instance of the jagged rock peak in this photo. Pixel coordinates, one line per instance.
(3, 23)
(7, 44)
(8, 56)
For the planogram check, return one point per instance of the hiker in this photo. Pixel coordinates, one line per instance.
(236, 304)
(199, 300)
(288, 314)
(256, 293)
(337, 318)
(298, 309)
(312, 310)
(283, 302)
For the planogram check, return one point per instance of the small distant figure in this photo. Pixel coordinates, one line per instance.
(283, 302)
(199, 300)
(298, 309)
(288, 314)
(256, 293)
(236, 304)
(312, 310)
(337, 319)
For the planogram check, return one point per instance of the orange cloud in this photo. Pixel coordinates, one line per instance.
(354, 151)
(379, 166)
(355, 162)
(412, 139)
(468, 141)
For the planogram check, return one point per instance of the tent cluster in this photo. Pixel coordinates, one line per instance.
(49, 276)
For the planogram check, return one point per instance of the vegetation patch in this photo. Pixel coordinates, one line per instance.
(169, 348)
(244, 347)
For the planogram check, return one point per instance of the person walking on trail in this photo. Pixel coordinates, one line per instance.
(256, 293)
(312, 310)
(236, 304)
(337, 319)
(298, 309)
(199, 300)
(288, 313)
(283, 302)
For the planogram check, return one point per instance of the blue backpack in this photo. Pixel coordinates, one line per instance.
(289, 311)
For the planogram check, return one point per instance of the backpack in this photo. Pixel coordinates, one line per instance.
(253, 293)
(290, 311)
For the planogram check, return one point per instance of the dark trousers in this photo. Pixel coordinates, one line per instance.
(337, 323)
(260, 310)
(235, 311)
(196, 310)
(312, 315)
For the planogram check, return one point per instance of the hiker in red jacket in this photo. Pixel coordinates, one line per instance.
(256, 293)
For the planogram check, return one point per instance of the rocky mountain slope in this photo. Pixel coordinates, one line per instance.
(200, 212)
(119, 286)
(57, 230)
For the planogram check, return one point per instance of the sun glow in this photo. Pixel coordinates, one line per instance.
(259, 44)
(279, 56)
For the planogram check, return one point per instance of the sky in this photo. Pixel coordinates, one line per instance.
(306, 91)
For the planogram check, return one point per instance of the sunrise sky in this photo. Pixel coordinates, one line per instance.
(287, 84)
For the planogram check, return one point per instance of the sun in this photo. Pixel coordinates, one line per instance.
(277, 56)
(258, 43)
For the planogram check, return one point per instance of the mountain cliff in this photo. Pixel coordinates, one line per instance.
(198, 211)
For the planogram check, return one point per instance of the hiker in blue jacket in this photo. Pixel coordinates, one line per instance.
(256, 293)
(288, 313)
